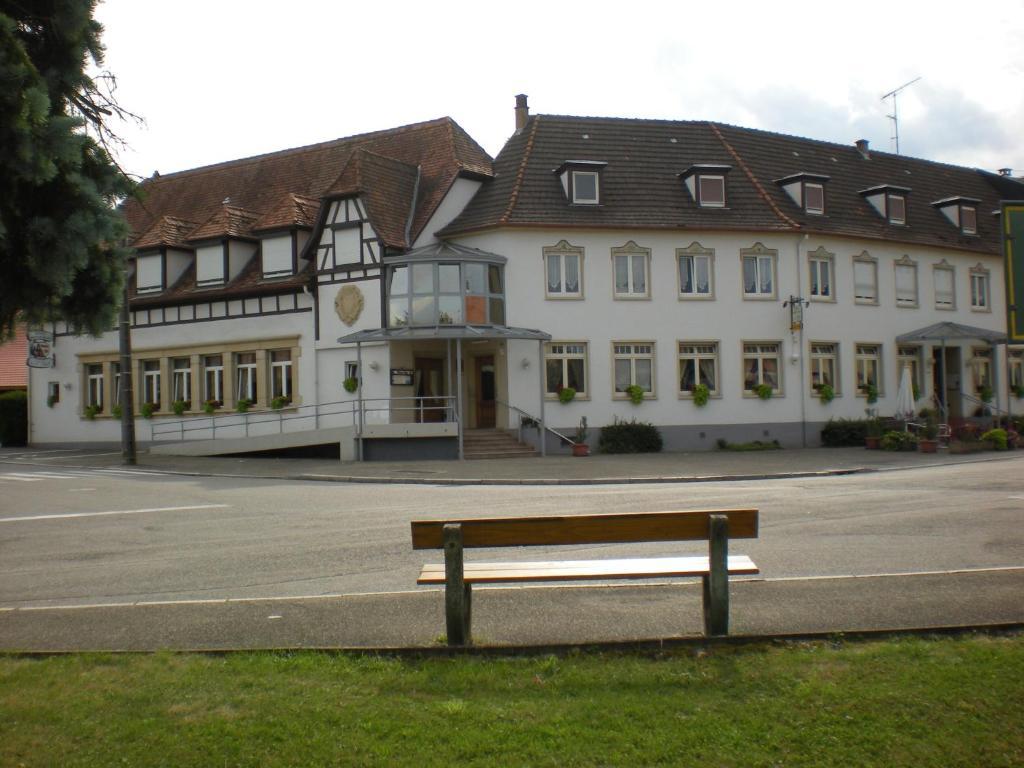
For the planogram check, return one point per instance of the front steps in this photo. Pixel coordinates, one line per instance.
(493, 444)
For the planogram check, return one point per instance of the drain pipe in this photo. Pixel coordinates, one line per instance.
(799, 338)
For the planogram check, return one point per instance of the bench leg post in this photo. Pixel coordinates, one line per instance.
(457, 596)
(716, 583)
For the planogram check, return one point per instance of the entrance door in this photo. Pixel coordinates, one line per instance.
(429, 388)
(485, 407)
(948, 391)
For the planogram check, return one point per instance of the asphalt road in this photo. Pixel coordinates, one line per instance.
(81, 537)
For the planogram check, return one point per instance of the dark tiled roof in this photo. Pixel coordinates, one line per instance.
(292, 211)
(165, 231)
(389, 189)
(440, 148)
(229, 221)
(641, 186)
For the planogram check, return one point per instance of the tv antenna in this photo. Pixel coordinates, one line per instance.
(895, 114)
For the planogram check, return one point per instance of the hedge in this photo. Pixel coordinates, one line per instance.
(844, 432)
(629, 437)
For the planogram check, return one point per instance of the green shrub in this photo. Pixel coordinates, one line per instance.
(147, 410)
(566, 395)
(629, 437)
(996, 438)
(210, 406)
(844, 432)
(243, 405)
(826, 394)
(351, 384)
(894, 440)
(91, 411)
(279, 402)
(764, 391)
(870, 392)
(13, 418)
(179, 407)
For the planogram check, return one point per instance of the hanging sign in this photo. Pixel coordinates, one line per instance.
(40, 349)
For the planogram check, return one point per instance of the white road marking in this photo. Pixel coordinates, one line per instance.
(112, 512)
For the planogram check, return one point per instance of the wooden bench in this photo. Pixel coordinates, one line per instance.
(714, 526)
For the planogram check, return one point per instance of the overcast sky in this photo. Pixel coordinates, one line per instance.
(223, 79)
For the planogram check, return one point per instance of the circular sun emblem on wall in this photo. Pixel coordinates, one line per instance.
(349, 303)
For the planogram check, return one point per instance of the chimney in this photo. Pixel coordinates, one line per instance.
(522, 112)
(862, 147)
(1005, 171)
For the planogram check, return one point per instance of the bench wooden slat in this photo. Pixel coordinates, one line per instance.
(579, 570)
(610, 528)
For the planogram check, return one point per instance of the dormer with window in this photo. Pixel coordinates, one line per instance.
(706, 184)
(149, 272)
(581, 181)
(889, 201)
(962, 213)
(807, 190)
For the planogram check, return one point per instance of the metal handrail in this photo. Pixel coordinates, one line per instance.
(349, 410)
(535, 421)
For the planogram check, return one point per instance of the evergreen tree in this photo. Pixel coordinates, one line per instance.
(60, 232)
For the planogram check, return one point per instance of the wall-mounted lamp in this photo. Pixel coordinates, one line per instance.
(374, 365)
(68, 385)
(525, 362)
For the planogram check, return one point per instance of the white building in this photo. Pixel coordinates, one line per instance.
(595, 254)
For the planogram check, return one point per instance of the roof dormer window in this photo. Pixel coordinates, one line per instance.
(806, 190)
(581, 181)
(890, 202)
(712, 191)
(962, 212)
(585, 187)
(706, 184)
(896, 206)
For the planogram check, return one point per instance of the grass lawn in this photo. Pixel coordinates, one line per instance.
(907, 702)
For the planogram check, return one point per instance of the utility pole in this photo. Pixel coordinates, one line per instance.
(895, 114)
(125, 391)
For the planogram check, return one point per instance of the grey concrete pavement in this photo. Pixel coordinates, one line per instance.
(530, 617)
(638, 468)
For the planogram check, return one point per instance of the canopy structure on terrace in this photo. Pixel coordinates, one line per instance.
(458, 334)
(947, 331)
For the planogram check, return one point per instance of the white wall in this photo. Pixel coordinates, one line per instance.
(460, 193)
(63, 424)
(728, 319)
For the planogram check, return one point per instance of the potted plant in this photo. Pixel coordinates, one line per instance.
(351, 384)
(117, 410)
(873, 433)
(147, 410)
(701, 395)
(826, 394)
(929, 442)
(764, 391)
(54, 399)
(179, 407)
(870, 392)
(566, 395)
(579, 446)
(1018, 391)
(635, 393)
(243, 405)
(91, 411)
(279, 402)
(985, 393)
(210, 406)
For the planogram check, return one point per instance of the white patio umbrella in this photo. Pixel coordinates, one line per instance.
(905, 396)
